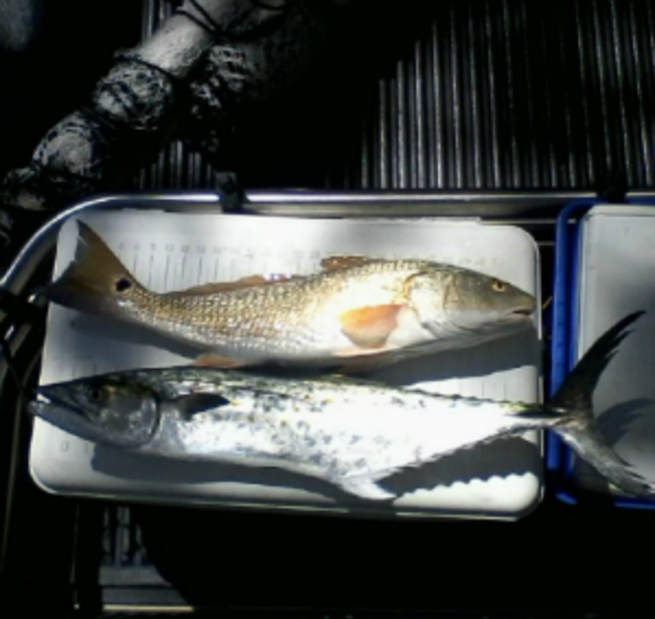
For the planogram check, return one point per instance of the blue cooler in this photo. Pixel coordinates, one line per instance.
(604, 270)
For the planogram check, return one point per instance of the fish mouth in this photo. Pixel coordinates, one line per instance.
(49, 397)
(519, 314)
(64, 416)
(58, 412)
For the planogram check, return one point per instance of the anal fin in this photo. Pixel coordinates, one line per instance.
(369, 357)
(217, 361)
(365, 488)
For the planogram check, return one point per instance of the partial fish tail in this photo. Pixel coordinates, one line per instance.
(574, 405)
(95, 281)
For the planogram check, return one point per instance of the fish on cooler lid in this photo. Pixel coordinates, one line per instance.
(358, 311)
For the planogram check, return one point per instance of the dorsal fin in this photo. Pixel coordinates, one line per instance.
(333, 263)
(249, 281)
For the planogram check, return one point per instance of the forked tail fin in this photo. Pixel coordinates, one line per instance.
(576, 425)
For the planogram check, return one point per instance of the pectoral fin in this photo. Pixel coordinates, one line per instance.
(194, 403)
(369, 327)
(365, 488)
(215, 287)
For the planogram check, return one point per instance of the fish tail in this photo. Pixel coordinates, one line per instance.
(574, 405)
(95, 280)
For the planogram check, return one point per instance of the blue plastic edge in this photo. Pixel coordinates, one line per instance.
(559, 457)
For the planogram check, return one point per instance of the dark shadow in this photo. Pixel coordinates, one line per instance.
(507, 90)
(313, 129)
(514, 351)
(142, 468)
(517, 350)
(614, 423)
(46, 57)
(115, 331)
(502, 458)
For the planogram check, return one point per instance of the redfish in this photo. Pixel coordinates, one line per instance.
(356, 308)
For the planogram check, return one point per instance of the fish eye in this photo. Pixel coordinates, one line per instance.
(499, 286)
(96, 395)
(123, 284)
